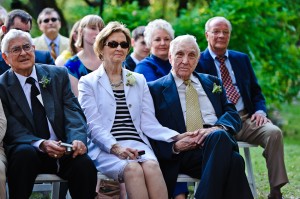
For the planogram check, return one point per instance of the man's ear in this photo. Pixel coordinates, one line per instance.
(4, 29)
(4, 56)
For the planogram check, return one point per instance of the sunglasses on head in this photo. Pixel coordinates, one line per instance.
(53, 19)
(114, 44)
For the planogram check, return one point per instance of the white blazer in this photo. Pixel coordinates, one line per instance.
(98, 103)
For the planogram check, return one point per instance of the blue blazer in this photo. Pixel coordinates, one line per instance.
(43, 57)
(245, 78)
(61, 106)
(169, 113)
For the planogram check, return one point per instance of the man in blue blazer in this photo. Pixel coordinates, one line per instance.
(21, 20)
(212, 154)
(32, 148)
(251, 104)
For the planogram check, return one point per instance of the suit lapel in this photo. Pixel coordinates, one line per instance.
(209, 62)
(16, 91)
(171, 97)
(47, 96)
(104, 80)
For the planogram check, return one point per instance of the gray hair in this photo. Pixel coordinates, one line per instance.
(219, 18)
(184, 39)
(155, 25)
(13, 34)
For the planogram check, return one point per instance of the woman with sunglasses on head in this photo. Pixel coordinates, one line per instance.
(120, 115)
(85, 61)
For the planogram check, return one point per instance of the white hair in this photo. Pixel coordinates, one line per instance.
(13, 34)
(155, 25)
(219, 18)
(184, 39)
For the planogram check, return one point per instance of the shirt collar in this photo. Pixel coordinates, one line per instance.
(48, 41)
(213, 55)
(179, 81)
(22, 79)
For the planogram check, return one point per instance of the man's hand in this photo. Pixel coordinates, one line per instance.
(203, 133)
(52, 148)
(260, 119)
(79, 148)
(186, 141)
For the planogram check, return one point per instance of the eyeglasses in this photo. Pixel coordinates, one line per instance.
(53, 19)
(218, 32)
(114, 44)
(18, 49)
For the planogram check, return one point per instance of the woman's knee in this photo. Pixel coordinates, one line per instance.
(133, 169)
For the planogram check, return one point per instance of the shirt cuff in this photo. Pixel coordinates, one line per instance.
(173, 150)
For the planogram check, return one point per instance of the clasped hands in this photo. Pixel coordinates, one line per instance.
(191, 140)
(53, 148)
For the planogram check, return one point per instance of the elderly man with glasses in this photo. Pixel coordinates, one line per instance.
(43, 115)
(49, 23)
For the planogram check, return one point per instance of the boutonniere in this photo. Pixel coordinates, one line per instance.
(216, 88)
(130, 79)
(45, 81)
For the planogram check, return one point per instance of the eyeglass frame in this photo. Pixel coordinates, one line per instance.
(218, 32)
(17, 50)
(53, 19)
(114, 44)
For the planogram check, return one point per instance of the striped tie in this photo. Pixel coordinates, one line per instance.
(53, 53)
(231, 92)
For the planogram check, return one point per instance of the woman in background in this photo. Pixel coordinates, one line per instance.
(85, 61)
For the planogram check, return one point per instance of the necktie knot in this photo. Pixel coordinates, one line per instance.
(52, 44)
(221, 59)
(30, 80)
(187, 82)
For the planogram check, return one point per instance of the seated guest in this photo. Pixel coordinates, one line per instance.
(3, 161)
(120, 115)
(187, 101)
(243, 90)
(85, 61)
(21, 20)
(140, 50)
(158, 35)
(41, 113)
(72, 50)
(49, 23)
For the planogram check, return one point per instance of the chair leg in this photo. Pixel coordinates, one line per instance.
(250, 173)
(55, 190)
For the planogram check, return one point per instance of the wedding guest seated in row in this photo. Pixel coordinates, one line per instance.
(120, 115)
(72, 49)
(188, 101)
(158, 35)
(21, 20)
(42, 112)
(85, 61)
(49, 23)
(140, 50)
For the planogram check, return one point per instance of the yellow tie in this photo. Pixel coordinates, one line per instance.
(193, 114)
(53, 53)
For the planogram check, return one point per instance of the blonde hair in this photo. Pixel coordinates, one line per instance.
(89, 20)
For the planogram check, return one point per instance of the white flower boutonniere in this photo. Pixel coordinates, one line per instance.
(216, 88)
(45, 81)
(130, 79)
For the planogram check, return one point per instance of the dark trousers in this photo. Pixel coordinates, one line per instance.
(25, 162)
(219, 166)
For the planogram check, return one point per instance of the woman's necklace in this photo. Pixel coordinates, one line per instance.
(117, 84)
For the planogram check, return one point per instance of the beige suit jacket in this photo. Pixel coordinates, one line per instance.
(41, 44)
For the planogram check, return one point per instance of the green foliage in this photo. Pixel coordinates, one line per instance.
(129, 14)
(263, 29)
